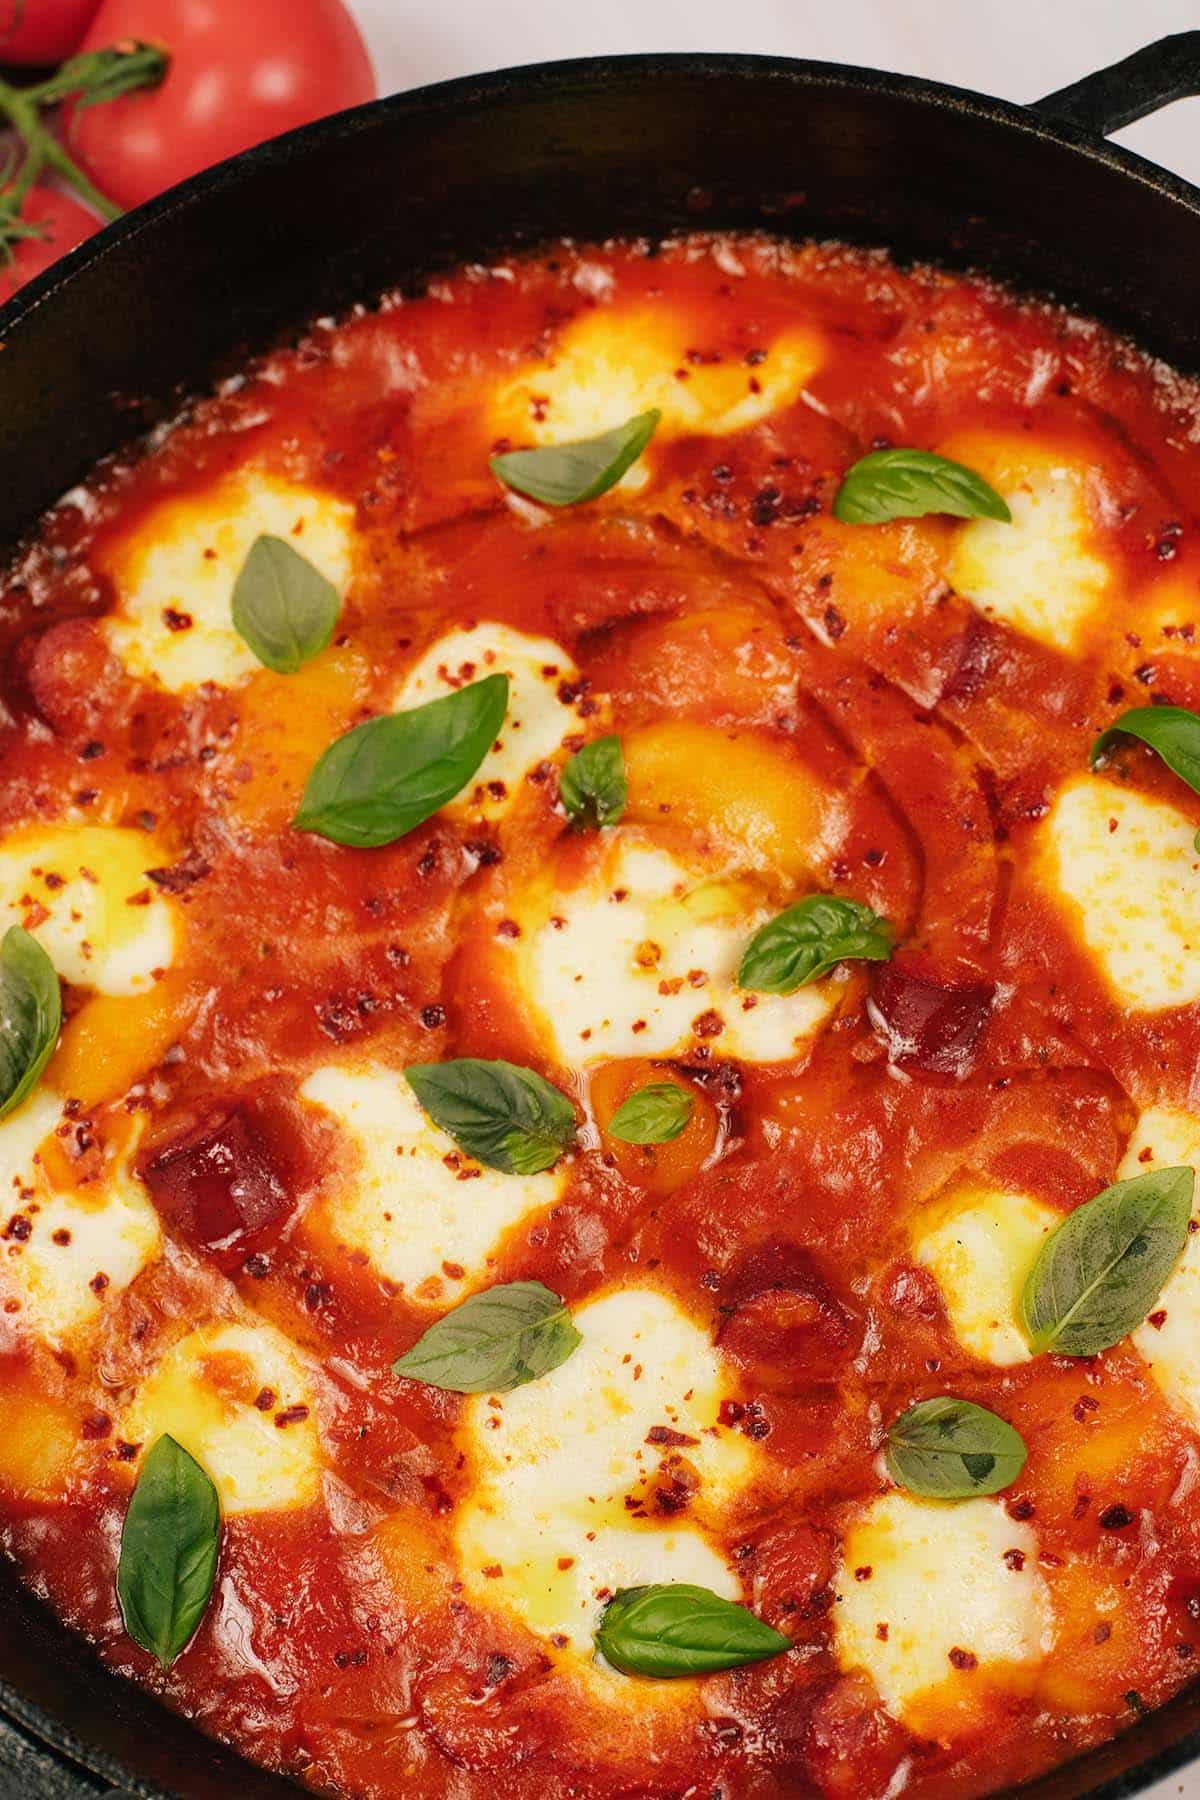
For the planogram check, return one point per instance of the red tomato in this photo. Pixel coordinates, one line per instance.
(42, 31)
(240, 72)
(67, 224)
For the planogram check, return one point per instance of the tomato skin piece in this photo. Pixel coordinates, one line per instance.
(67, 224)
(238, 74)
(42, 31)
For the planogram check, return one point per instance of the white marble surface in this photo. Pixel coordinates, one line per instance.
(1019, 49)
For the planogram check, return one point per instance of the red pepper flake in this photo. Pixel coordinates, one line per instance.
(865, 1573)
(1116, 1518)
(662, 1434)
(292, 1415)
(1158, 1319)
(1014, 1560)
(62, 1237)
(19, 1228)
(176, 621)
(566, 1562)
(141, 898)
(508, 928)
(881, 1632)
(493, 1571)
(265, 1399)
(710, 1024)
(1083, 1406)
(1102, 1633)
(963, 1659)
(99, 1282)
(95, 1426)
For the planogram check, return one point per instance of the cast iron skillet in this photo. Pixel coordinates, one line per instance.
(159, 304)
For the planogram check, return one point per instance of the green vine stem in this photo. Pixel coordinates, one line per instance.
(90, 80)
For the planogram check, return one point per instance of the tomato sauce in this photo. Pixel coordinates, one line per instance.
(340, 1647)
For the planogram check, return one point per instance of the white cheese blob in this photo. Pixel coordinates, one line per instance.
(427, 1215)
(65, 1251)
(1164, 1139)
(980, 1247)
(640, 959)
(544, 708)
(239, 1399)
(922, 1580)
(1041, 574)
(615, 362)
(83, 891)
(561, 1510)
(174, 574)
(1128, 872)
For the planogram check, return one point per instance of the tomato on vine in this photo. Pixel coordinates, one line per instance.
(238, 73)
(42, 31)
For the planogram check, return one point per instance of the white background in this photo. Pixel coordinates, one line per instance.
(1019, 49)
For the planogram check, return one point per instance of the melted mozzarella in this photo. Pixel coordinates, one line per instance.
(938, 1583)
(174, 575)
(1040, 574)
(980, 1248)
(1171, 1346)
(221, 1392)
(67, 1250)
(427, 1216)
(561, 1510)
(612, 363)
(543, 707)
(1129, 872)
(641, 960)
(83, 892)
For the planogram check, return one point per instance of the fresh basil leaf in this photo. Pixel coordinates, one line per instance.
(676, 1629)
(947, 1449)
(283, 607)
(567, 474)
(592, 785)
(907, 484)
(1100, 1272)
(30, 1015)
(493, 1342)
(384, 778)
(656, 1114)
(808, 940)
(169, 1551)
(1172, 732)
(507, 1117)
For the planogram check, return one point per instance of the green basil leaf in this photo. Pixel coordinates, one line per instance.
(169, 1551)
(947, 1449)
(907, 484)
(566, 474)
(592, 785)
(388, 776)
(1100, 1272)
(676, 1629)
(507, 1117)
(654, 1115)
(493, 1342)
(30, 1015)
(1172, 732)
(808, 940)
(283, 607)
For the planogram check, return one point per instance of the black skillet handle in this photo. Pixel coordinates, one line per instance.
(1114, 97)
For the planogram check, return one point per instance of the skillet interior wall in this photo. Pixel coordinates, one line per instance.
(182, 291)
